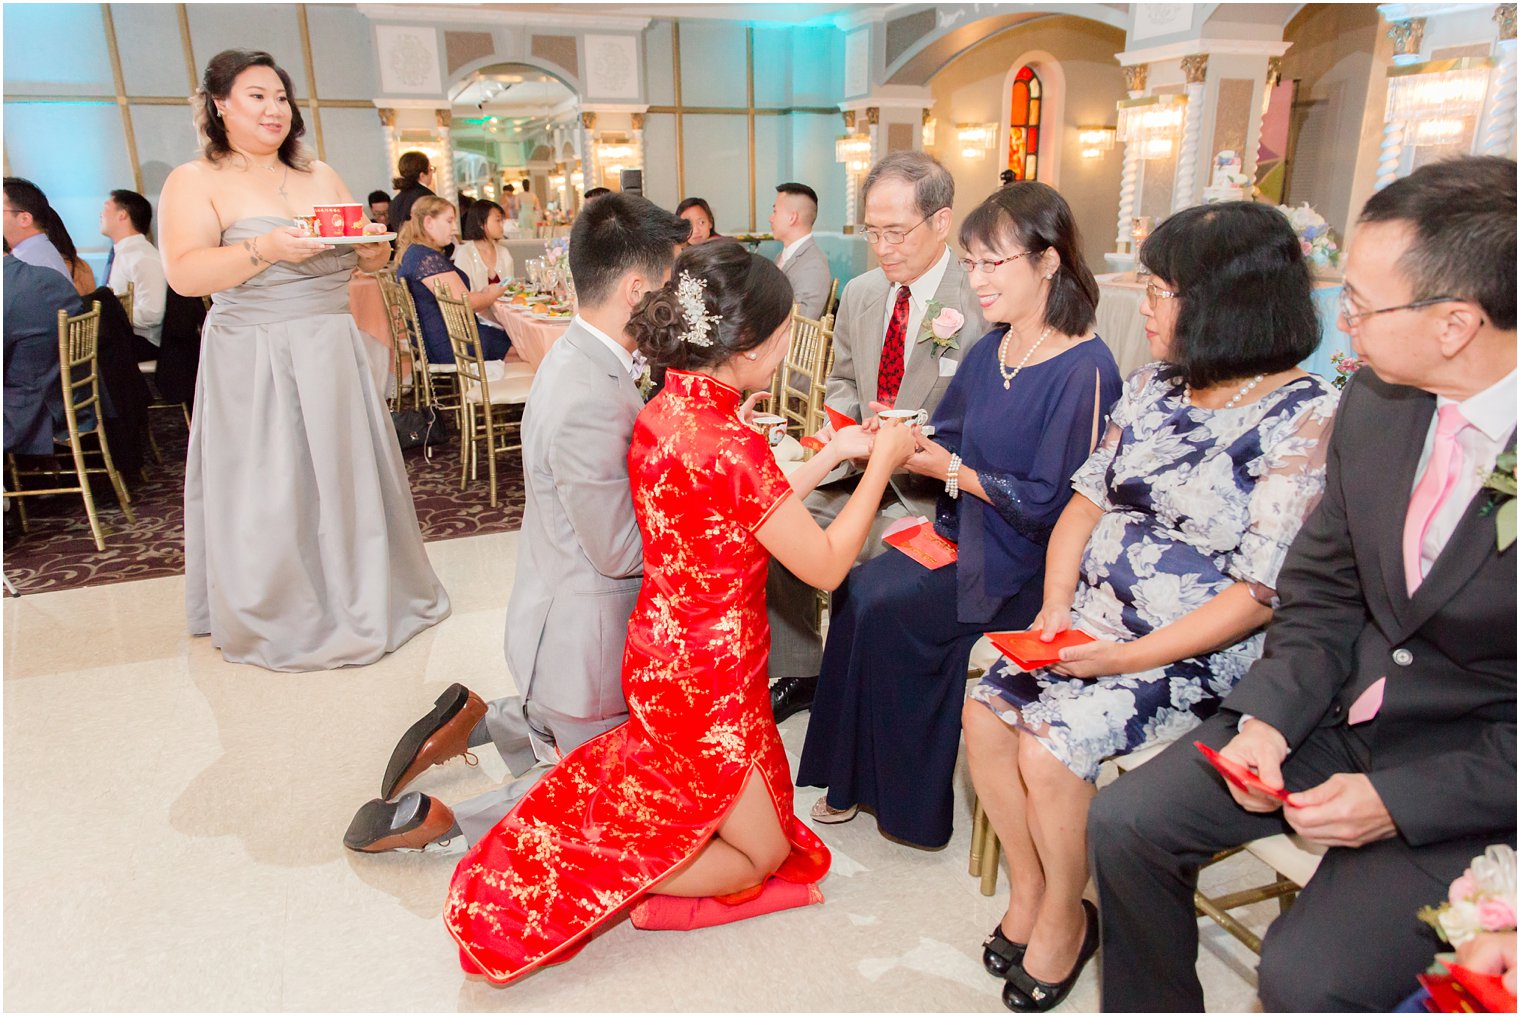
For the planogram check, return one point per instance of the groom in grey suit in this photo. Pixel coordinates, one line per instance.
(579, 555)
(883, 346)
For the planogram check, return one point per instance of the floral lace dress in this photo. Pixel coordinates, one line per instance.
(1194, 500)
(623, 810)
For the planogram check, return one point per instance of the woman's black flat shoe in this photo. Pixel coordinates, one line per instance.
(1023, 993)
(1000, 953)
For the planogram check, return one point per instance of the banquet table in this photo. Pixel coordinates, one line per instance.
(531, 338)
(1120, 324)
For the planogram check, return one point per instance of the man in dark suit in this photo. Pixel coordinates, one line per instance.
(1385, 700)
(34, 410)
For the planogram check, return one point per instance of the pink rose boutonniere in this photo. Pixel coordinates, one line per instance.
(1481, 899)
(941, 326)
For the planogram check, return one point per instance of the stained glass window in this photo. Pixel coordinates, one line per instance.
(1024, 125)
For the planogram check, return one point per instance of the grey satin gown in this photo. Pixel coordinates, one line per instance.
(302, 550)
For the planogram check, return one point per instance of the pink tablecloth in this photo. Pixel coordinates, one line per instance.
(531, 338)
(368, 309)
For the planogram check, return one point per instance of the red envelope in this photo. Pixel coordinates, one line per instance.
(923, 545)
(1240, 775)
(838, 420)
(1447, 995)
(1026, 649)
(1488, 989)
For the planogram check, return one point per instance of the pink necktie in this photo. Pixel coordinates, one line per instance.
(1446, 464)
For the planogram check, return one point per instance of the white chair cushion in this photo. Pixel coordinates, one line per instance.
(789, 466)
(442, 368)
(983, 655)
(1288, 854)
(504, 391)
(148, 366)
(789, 450)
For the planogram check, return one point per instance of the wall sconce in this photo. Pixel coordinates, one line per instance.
(613, 155)
(854, 152)
(975, 139)
(931, 125)
(1096, 140)
(1152, 123)
(1441, 98)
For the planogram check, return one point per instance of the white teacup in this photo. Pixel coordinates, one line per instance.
(909, 417)
(772, 426)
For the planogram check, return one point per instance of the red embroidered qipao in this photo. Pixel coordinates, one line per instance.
(622, 811)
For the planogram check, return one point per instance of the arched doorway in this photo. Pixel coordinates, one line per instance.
(513, 122)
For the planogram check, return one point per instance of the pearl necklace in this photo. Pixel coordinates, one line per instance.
(1187, 392)
(1003, 355)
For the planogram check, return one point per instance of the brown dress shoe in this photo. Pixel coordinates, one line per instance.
(442, 734)
(408, 824)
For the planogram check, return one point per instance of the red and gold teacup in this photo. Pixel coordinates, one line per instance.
(340, 219)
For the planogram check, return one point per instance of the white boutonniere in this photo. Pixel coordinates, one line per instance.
(941, 324)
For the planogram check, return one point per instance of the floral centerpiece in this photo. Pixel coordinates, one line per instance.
(1481, 899)
(1315, 237)
(557, 258)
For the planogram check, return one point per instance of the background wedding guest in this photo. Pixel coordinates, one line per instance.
(1019, 418)
(27, 215)
(1168, 554)
(125, 220)
(529, 210)
(483, 255)
(883, 356)
(594, 193)
(379, 206)
(579, 556)
(806, 266)
(414, 179)
(423, 265)
(34, 412)
(302, 550)
(80, 272)
(703, 225)
(1385, 698)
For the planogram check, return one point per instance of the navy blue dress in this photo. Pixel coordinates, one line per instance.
(421, 262)
(885, 725)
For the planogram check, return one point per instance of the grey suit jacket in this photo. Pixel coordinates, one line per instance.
(860, 330)
(579, 555)
(34, 409)
(808, 272)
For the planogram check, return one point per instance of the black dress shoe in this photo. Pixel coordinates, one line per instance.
(442, 734)
(1023, 993)
(792, 695)
(999, 952)
(408, 824)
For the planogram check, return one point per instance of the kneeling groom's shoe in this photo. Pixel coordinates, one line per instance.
(408, 824)
(437, 737)
(792, 695)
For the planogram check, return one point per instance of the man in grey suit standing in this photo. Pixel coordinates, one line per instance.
(579, 556)
(801, 260)
(883, 336)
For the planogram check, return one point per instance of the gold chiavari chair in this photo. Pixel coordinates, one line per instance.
(483, 414)
(417, 385)
(79, 374)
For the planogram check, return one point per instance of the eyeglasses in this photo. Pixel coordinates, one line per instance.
(1155, 294)
(988, 267)
(1353, 316)
(895, 236)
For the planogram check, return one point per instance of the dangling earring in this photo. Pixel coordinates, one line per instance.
(751, 356)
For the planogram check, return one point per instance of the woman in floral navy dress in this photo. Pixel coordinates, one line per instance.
(691, 798)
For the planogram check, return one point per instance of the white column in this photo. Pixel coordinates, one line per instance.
(1185, 190)
(1127, 197)
(1498, 135)
(1390, 153)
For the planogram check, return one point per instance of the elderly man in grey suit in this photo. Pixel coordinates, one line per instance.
(801, 260)
(579, 556)
(882, 344)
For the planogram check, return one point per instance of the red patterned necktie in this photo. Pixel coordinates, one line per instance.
(889, 373)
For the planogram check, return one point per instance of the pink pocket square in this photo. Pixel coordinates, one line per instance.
(1367, 703)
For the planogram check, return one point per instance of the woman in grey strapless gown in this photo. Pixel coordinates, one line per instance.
(302, 550)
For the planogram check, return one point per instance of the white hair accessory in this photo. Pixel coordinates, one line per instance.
(699, 323)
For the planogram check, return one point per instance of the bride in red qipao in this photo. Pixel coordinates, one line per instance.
(685, 811)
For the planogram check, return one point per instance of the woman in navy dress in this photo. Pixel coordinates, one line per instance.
(1168, 555)
(422, 265)
(1026, 407)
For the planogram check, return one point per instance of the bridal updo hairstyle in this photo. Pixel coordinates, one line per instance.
(748, 292)
(221, 74)
(1243, 292)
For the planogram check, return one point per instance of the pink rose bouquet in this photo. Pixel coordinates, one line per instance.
(1481, 899)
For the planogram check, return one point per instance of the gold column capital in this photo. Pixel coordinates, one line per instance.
(1274, 71)
(445, 118)
(1195, 67)
(873, 115)
(1504, 17)
(1407, 36)
(849, 119)
(1135, 77)
(387, 116)
(588, 120)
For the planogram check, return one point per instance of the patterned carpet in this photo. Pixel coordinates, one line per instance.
(57, 551)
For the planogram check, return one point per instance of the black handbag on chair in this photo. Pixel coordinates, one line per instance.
(416, 428)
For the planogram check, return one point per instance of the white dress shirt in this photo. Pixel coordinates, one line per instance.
(1491, 418)
(792, 248)
(624, 356)
(920, 291)
(138, 262)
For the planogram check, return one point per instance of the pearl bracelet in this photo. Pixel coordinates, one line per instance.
(953, 478)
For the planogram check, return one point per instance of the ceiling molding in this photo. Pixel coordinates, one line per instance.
(488, 16)
(1192, 47)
